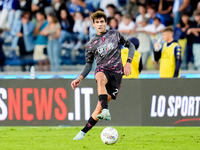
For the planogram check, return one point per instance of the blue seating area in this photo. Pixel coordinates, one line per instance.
(68, 57)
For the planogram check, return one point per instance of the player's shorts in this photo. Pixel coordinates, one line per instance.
(114, 82)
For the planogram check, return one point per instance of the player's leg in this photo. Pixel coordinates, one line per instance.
(102, 80)
(102, 104)
(98, 109)
(91, 122)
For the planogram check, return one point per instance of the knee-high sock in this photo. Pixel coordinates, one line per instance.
(89, 125)
(104, 101)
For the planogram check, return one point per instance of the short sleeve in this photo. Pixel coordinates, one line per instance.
(89, 54)
(123, 40)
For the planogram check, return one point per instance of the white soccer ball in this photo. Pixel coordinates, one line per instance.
(109, 135)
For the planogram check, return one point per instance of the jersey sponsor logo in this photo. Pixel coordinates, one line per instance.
(106, 47)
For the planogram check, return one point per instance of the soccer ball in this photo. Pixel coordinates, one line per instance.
(109, 135)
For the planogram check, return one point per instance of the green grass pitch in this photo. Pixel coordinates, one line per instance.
(130, 138)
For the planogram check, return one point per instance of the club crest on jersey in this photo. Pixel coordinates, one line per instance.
(104, 48)
(103, 39)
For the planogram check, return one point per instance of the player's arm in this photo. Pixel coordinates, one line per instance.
(87, 68)
(140, 65)
(89, 57)
(127, 66)
(177, 53)
(157, 51)
(126, 43)
(157, 55)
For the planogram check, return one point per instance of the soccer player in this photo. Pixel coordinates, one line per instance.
(136, 64)
(169, 55)
(105, 47)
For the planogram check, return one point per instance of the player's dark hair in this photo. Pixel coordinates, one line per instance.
(98, 15)
(168, 29)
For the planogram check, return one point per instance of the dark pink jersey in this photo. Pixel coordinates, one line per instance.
(106, 49)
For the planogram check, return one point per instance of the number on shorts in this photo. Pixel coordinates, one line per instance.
(114, 93)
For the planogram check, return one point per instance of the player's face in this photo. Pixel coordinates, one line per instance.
(100, 25)
(167, 36)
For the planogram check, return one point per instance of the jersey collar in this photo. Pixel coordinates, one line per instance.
(100, 35)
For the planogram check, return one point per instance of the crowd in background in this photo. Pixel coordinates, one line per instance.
(39, 29)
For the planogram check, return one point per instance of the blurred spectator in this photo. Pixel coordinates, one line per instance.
(178, 7)
(104, 4)
(40, 54)
(127, 25)
(195, 31)
(88, 28)
(111, 9)
(198, 6)
(132, 8)
(180, 33)
(142, 1)
(155, 32)
(25, 5)
(7, 14)
(22, 33)
(74, 6)
(155, 28)
(39, 5)
(87, 6)
(78, 30)
(154, 2)
(113, 24)
(145, 41)
(142, 15)
(52, 30)
(2, 55)
(1, 4)
(151, 10)
(184, 23)
(58, 5)
(87, 24)
(165, 9)
(95, 3)
(67, 24)
(118, 16)
(194, 5)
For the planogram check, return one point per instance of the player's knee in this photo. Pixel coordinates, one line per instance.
(101, 81)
